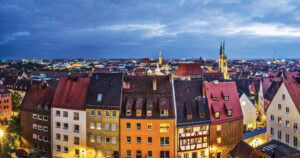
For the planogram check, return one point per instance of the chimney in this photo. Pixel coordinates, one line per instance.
(203, 88)
(154, 83)
(126, 85)
(170, 78)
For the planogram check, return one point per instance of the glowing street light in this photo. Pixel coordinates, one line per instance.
(1, 133)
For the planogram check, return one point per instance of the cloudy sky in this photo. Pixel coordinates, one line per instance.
(142, 28)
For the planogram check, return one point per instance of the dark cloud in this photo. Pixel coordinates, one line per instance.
(118, 28)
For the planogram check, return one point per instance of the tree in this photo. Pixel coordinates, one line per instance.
(16, 102)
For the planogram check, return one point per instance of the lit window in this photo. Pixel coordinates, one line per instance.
(92, 125)
(99, 98)
(149, 126)
(128, 112)
(229, 112)
(92, 138)
(98, 126)
(199, 140)
(149, 112)
(219, 140)
(217, 114)
(287, 123)
(138, 112)
(164, 112)
(226, 98)
(164, 127)
(218, 128)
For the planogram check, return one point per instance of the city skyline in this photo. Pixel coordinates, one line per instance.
(180, 29)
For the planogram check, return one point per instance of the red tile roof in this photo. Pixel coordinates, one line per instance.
(244, 150)
(71, 93)
(220, 104)
(189, 69)
(293, 87)
(38, 95)
(267, 82)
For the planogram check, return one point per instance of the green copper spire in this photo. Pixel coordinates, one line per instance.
(224, 50)
(221, 49)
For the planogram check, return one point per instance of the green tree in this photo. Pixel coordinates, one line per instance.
(16, 102)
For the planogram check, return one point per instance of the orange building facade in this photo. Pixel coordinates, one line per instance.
(5, 104)
(156, 137)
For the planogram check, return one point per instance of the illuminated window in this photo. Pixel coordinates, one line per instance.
(92, 138)
(199, 139)
(229, 112)
(217, 114)
(204, 139)
(138, 112)
(149, 126)
(279, 120)
(92, 125)
(226, 98)
(164, 112)
(192, 141)
(164, 127)
(149, 112)
(287, 123)
(128, 112)
(99, 98)
(219, 140)
(98, 126)
(218, 128)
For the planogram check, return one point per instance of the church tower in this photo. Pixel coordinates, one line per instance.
(160, 59)
(223, 61)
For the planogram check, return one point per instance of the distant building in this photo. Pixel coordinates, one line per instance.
(147, 121)
(223, 61)
(5, 104)
(188, 71)
(212, 75)
(103, 113)
(68, 117)
(244, 150)
(193, 120)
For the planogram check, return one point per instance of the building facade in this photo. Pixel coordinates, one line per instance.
(147, 121)
(5, 104)
(283, 114)
(103, 113)
(68, 118)
(193, 120)
(249, 112)
(226, 129)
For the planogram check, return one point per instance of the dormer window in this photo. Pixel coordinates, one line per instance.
(216, 109)
(214, 98)
(202, 114)
(138, 112)
(226, 98)
(228, 108)
(217, 115)
(128, 112)
(40, 106)
(229, 112)
(189, 117)
(164, 112)
(149, 112)
(99, 98)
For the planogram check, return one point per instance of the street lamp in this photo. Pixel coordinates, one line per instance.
(1, 133)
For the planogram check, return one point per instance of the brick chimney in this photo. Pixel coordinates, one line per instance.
(154, 84)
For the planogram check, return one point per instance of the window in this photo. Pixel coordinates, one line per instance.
(114, 114)
(92, 138)
(164, 154)
(229, 112)
(128, 112)
(164, 127)
(113, 140)
(107, 126)
(45, 139)
(272, 117)
(99, 153)
(128, 126)
(66, 150)
(58, 147)
(128, 140)
(164, 112)
(192, 141)
(287, 123)
(295, 142)
(34, 136)
(34, 116)
(76, 116)
(138, 154)
(98, 113)
(219, 140)
(40, 106)
(218, 128)
(57, 136)
(98, 126)
(279, 134)
(40, 117)
(287, 138)
(107, 140)
(99, 139)
(66, 137)
(128, 153)
(76, 140)
(283, 97)
(217, 114)
(149, 154)
(287, 110)
(66, 125)
(214, 98)
(279, 120)
(76, 152)
(295, 126)
(57, 124)
(279, 106)
(34, 126)
(76, 128)
(149, 140)
(149, 126)
(45, 118)
(99, 98)
(92, 113)
(164, 141)
(138, 140)
(149, 112)
(57, 113)
(226, 98)
(138, 126)
(107, 114)
(138, 112)
(202, 114)
(272, 131)
(189, 117)
(46, 107)
(92, 125)
(45, 128)
(114, 127)
(65, 113)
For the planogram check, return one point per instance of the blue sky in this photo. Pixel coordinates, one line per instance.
(142, 28)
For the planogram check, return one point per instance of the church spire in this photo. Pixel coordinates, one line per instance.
(160, 59)
(221, 49)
